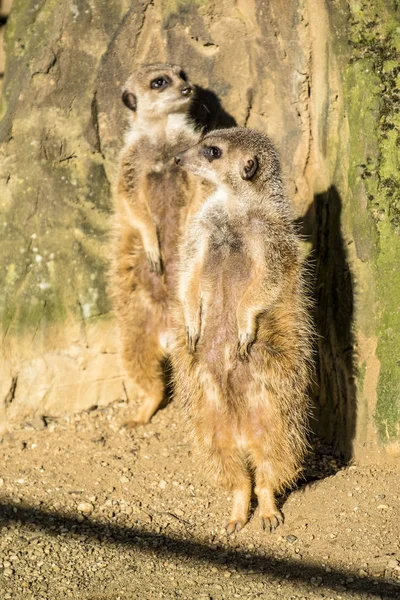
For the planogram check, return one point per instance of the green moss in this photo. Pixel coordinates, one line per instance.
(388, 332)
(372, 87)
(362, 369)
(56, 220)
(46, 275)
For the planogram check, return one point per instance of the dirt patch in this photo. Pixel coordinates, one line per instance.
(91, 511)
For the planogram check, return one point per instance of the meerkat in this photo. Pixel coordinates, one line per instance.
(151, 203)
(242, 356)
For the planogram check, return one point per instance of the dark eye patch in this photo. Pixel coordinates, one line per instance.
(183, 75)
(212, 152)
(159, 83)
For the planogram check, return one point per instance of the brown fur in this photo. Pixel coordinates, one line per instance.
(243, 353)
(151, 205)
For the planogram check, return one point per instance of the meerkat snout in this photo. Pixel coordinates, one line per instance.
(186, 91)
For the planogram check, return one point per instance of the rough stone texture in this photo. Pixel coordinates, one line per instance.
(320, 78)
(357, 236)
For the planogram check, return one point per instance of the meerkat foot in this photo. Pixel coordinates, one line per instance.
(144, 413)
(240, 509)
(271, 522)
(155, 263)
(234, 526)
(192, 338)
(270, 515)
(244, 344)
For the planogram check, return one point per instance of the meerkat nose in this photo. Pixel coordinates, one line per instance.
(178, 159)
(186, 91)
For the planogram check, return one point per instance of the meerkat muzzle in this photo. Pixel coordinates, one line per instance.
(186, 91)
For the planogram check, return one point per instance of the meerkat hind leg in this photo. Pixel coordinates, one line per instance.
(240, 507)
(270, 515)
(146, 410)
(150, 377)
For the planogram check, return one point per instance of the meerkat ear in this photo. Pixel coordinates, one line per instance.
(250, 168)
(129, 100)
(203, 132)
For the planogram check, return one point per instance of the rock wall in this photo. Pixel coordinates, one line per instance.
(310, 74)
(371, 216)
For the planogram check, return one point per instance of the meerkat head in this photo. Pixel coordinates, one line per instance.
(238, 158)
(158, 89)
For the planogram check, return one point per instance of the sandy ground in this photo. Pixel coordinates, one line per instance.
(89, 510)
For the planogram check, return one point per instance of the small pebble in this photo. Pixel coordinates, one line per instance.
(8, 572)
(393, 563)
(85, 507)
(291, 539)
(37, 423)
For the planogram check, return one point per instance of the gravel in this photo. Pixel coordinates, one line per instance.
(92, 511)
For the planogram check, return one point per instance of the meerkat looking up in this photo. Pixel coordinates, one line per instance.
(151, 203)
(243, 352)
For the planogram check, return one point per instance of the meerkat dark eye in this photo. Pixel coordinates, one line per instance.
(183, 75)
(212, 152)
(158, 83)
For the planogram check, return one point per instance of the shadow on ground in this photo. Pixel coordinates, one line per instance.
(167, 546)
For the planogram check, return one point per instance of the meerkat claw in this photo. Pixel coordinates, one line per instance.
(191, 340)
(272, 522)
(155, 264)
(243, 348)
(234, 527)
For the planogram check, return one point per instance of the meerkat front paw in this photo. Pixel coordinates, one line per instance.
(245, 341)
(192, 338)
(155, 262)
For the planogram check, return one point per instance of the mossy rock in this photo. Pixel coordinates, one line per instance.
(320, 78)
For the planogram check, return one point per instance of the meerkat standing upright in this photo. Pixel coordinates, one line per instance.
(151, 203)
(243, 353)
